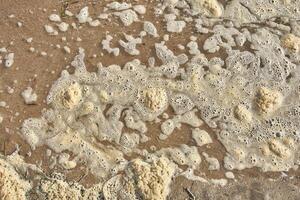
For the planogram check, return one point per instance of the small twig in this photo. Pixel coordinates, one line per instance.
(250, 11)
(65, 5)
(191, 195)
(83, 176)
